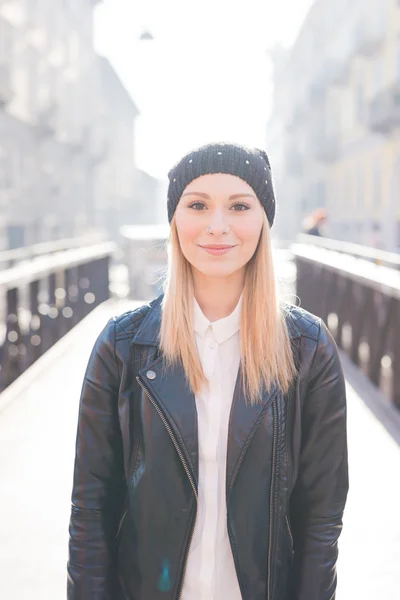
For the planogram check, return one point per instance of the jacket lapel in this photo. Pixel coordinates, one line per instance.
(168, 388)
(243, 422)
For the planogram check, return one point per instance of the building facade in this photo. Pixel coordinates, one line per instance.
(337, 113)
(116, 174)
(56, 129)
(150, 204)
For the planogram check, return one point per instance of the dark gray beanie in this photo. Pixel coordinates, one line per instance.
(250, 164)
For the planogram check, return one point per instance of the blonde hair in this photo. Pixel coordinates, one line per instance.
(266, 354)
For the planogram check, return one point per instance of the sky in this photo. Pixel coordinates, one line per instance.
(205, 77)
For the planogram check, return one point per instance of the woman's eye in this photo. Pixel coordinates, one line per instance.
(240, 207)
(196, 205)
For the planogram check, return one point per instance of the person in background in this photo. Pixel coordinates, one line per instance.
(314, 223)
(376, 236)
(211, 451)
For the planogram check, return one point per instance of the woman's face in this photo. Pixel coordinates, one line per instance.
(219, 221)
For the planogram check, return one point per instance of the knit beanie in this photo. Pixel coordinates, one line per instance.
(250, 164)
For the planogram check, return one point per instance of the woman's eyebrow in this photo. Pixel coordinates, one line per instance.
(233, 197)
(195, 194)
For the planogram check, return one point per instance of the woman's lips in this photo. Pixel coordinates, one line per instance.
(217, 250)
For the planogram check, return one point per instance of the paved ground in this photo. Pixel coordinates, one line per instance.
(37, 444)
(369, 563)
(37, 438)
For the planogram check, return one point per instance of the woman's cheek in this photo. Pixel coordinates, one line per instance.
(187, 237)
(249, 233)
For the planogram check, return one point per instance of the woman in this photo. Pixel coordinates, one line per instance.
(211, 458)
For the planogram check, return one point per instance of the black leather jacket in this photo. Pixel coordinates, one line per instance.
(134, 495)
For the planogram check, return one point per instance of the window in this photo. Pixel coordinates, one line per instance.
(378, 75)
(360, 189)
(397, 59)
(376, 186)
(320, 194)
(360, 102)
(6, 41)
(398, 237)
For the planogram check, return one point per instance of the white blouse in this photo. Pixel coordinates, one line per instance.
(210, 572)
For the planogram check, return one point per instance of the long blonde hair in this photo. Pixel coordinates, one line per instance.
(266, 354)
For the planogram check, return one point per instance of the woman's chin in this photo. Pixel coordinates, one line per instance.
(216, 270)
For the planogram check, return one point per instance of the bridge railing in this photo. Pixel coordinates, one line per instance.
(358, 297)
(379, 257)
(9, 258)
(42, 299)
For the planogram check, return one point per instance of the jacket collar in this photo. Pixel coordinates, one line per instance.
(149, 330)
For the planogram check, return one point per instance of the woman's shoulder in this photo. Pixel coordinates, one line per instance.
(301, 322)
(127, 323)
(318, 341)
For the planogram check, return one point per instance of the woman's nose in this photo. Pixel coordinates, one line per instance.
(218, 223)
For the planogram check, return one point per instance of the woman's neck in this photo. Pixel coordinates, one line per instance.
(217, 297)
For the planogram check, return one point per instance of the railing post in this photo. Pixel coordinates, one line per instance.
(396, 354)
(84, 284)
(10, 355)
(49, 319)
(363, 302)
(73, 295)
(379, 342)
(342, 309)
(34, 341)
(67, 311)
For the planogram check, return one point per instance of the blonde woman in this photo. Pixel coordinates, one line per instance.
(211, 457)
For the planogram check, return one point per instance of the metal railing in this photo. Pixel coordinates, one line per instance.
(9, 258)
(356, 291)
(44, 298)
(379, 257)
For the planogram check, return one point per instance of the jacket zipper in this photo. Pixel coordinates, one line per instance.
(168, 428)
(272, 504)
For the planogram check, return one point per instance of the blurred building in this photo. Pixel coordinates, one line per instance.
(334, 134)
(162, 212)
(145, 254)
(145, 204)
(58, 127)
(116, 174)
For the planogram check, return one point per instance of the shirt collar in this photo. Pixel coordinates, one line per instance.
(222, 329)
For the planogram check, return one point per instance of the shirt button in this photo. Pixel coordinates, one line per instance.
(150, 375)
(213, 345)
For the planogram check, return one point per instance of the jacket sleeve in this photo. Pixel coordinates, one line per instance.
(320, 492)
(98, 477)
